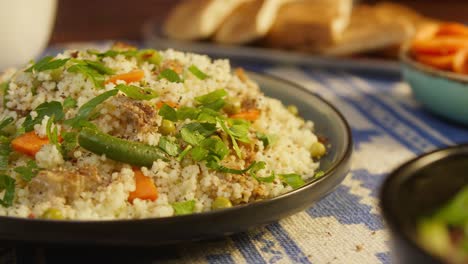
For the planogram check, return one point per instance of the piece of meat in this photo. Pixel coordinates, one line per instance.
(64, 183)
(141, 115)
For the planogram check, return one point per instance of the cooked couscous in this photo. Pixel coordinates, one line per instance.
(132, 133)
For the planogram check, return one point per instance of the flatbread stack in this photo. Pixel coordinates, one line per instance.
(330, 27)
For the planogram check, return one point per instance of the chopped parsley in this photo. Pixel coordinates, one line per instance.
(7, 184)
(52, 133)
(183, 208)
(47, 63)
(29, 171)
(5, 151)
(292, 179)
(168, 146)
(170, 75)
(52, 108)
(136, 92)
(168, 113)
(197, 72)
(86, 110)
(69, 102)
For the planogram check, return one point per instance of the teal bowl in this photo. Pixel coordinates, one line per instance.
(443, 93)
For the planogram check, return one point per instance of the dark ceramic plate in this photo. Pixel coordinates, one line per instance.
(417, 189)
(158, 231)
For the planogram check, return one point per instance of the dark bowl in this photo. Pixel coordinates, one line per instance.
(418, 188)
(328, 123)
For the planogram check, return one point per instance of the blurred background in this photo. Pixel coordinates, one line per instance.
(123, 19)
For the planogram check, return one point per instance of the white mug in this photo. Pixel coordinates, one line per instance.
(25, 27)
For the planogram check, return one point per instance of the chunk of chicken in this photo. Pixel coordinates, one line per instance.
(64, 183)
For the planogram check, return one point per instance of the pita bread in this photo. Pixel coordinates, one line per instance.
(248, 22)
(309, 23)
(198, 19)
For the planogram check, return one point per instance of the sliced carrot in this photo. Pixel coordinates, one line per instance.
(250, 115)
(133, 76)
(460, 61)
(439, 45)
(144, 188)
(452, 29)
(169, 103)
(443, 62)
(29, 143)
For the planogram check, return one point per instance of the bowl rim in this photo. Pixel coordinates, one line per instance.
(393, 180)
(406, 59)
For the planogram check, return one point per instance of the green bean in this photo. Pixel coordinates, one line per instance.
(130, 152)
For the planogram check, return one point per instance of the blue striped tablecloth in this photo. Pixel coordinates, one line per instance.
(389, 127)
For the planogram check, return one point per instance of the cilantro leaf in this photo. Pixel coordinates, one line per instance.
(136, 92)
(113, 53)
(211, 97)
(4, 91)
(187, 113)
(198, 153)
(184, 153)
(89, 72)
(215, 146)
(266, 139)
(149, 55)
(292, 179)
(8, 184)
(197, 72)
(69, 102)
(233, 139)
(168, 146)
(168, 113)
(86, 109)
(99, 67)
(47, 63)
(29, 171)
(240, 130)
(257, 166)
(170, 75)
(52, 134)
(69, 143)
(5, 122)
(52, 108)
(184, 208)
(5, 151)
(194, 133)
(319, 174)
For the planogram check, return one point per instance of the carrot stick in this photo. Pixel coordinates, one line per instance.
(439, 46)
(250, 115)
(144, 188)
(29, 143)
(460, 61)
(443, 62)
(169, 103)
(452, 29)
(133, 76)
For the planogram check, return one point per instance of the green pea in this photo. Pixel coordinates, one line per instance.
(232, 106)
(293, 109)
(317, 150)
(52, 213)
(220, 203)
(167, 127)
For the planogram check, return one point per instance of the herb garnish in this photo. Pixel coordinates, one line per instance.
(7, 183)
(197, 72)
(136, 92)
(52, 133)
(183, 208)
(170, 75)
(86, 110)
(292, 179)
(5, 151)
(69, 102)
(47, 63)
(168, 146)
(168, 113)
(29, 171)
(52, 108)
